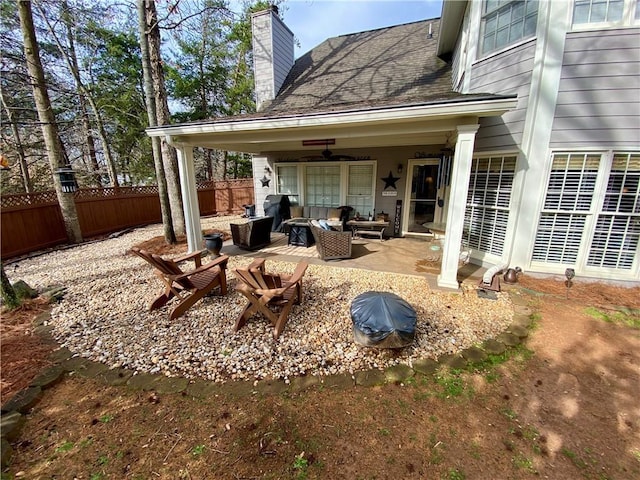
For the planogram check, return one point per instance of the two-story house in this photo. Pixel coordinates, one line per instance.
(511, 126)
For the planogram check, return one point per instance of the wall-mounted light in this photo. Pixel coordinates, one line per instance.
(400, 168)
(67, 179)
(267, 170)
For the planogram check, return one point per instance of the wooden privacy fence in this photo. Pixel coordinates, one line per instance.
(33, 221)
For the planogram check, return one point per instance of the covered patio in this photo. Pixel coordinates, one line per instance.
(420, 256)
(391, 139)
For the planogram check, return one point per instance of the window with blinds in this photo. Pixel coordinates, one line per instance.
(288, 182)
(617, 231)
(488, 199)
(567, 203)
(360, 188)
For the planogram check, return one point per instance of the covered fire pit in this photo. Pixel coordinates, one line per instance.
(382, 320)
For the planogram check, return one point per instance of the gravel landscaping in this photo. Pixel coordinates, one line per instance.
(104, 317)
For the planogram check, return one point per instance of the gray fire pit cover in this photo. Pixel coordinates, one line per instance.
(382, 320)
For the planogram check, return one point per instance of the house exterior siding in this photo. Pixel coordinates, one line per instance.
(284, 53)
(599, 97)
(578, 92)
(508, 72)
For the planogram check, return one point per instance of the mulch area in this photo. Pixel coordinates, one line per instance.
(24, 353)
(158, 245)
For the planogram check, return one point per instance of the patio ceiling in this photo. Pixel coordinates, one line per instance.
(383, 127)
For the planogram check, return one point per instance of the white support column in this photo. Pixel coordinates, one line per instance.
(554, 20)
(189, 197)
(461, 171)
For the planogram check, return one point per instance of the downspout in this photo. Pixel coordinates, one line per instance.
(189, 189)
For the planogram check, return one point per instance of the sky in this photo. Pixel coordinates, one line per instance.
(313, 21)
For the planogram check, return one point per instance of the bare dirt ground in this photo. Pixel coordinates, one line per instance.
(564, 406)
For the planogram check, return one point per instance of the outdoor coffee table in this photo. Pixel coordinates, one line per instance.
(300, 234)
(367, 227)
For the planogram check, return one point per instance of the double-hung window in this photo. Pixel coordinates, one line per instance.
(597, 11)
(288, 182)
(605, 13)
(591, 214)
(505, 22)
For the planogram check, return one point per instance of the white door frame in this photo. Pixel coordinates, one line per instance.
(438, 214)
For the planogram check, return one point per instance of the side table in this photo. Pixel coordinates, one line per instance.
(366, 227)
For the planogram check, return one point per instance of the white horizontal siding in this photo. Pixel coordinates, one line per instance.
(599, 95)
(508, 72)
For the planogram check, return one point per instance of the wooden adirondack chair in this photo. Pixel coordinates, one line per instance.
(187, 286)
(269, 294)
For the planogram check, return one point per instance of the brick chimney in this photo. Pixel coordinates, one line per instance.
(272, 54)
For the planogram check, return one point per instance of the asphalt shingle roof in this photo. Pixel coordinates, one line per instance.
(388, 66)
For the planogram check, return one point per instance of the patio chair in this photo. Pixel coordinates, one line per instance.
(270, 294)
(190, 286)
(331, 245)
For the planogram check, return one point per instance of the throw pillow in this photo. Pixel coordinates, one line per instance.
(296, 211)
(334, 214)
(324, 224)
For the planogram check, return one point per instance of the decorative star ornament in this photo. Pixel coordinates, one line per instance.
(390, 181)
(265, 181)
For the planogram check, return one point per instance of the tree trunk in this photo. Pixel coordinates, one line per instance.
(106, 150)
(9, 297)
(22, 157)
(91, 160)
(208, 158)
(89, 152)
(225, 164)
(165, 207)
(47, 119)
(170, 160)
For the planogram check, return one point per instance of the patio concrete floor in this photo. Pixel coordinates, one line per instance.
(411, 256)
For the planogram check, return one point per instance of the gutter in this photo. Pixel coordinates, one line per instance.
(480, 107)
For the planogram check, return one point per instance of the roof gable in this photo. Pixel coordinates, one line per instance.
(387, 66)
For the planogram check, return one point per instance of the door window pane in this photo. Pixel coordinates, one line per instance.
(424, 190)
(322, 186)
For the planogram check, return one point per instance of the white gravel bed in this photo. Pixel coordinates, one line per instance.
(104, 317)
